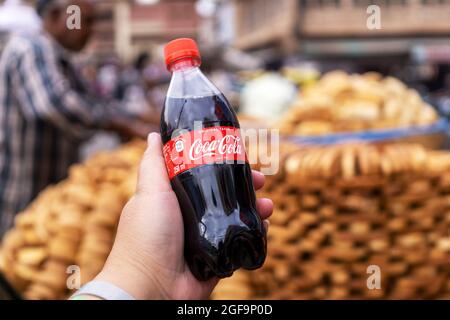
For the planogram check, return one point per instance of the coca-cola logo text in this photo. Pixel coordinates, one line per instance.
(229, 144)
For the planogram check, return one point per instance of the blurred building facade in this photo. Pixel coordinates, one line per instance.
(340, 26)
(265, 23)
(398, 18)
(127, 28)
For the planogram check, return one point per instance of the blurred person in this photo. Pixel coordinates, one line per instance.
(108, 75)
(89, 73)
(46, 111)
(132, 87)
(217, 69)
(135, 88)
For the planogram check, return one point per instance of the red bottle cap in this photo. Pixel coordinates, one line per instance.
(179, 49)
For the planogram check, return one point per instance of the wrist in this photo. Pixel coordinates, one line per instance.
(134, 282)
(85, 297)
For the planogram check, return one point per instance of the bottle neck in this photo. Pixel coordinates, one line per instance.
(189, 81)
(184, 64)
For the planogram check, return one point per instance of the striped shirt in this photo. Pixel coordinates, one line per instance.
(45, 114)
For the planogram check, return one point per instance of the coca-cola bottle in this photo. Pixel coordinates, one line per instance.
(207, 165)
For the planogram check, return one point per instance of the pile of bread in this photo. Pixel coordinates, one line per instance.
(64, 237)
(342, 214)
(355, 221)
(340, 102)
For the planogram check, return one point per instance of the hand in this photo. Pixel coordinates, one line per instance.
(147, 259)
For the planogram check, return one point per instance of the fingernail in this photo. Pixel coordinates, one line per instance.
(152, 139)
(266, 225)
(259, 173)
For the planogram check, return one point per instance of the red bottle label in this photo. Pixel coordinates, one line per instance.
(204, 146)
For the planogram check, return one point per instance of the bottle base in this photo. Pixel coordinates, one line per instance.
(244, 249)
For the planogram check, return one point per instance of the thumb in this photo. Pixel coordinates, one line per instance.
(152, 176)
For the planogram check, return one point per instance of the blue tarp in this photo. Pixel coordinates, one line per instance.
(439, 127)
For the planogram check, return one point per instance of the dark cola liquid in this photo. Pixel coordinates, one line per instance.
(223, 231)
